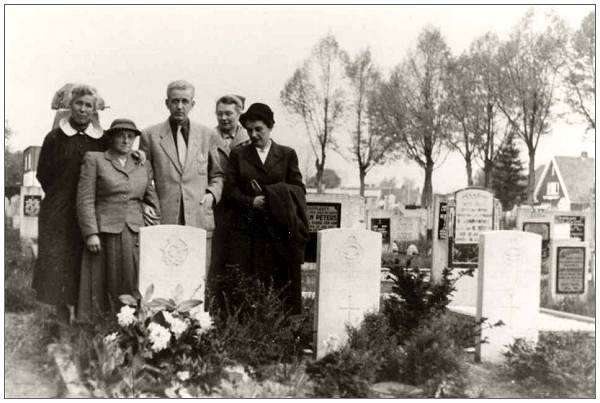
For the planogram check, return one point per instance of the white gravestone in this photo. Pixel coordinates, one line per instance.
(172, 256)
(348, 282)
(30, 202)
(508, 282)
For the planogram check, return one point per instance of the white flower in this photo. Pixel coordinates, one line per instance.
(110, 338)
(183, 375)
(331, 343)
(126, 316)
(159, 336)
(204, 319)
(178, 326)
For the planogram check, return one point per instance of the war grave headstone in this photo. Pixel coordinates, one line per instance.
(173, 257)
(568, 269)
(30, 201)
(473, 215)
(348, 282)
(508, 290)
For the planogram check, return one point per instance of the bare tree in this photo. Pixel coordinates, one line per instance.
(412, 105)
(370, 146)
(530, 64)
(581, 72)
(465, 110)
(315, 93)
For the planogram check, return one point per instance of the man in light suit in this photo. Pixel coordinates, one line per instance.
(187, 173)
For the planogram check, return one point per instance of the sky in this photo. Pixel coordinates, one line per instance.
(131, 53)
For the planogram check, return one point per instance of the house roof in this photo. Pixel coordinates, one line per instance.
(578, 175)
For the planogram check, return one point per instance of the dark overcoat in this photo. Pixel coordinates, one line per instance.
(255, 238)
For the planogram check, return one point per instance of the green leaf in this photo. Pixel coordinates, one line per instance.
(149, 292)
(127, 300)
(165, 302)
(189, 304)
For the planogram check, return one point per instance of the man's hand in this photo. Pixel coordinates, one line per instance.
(140, 156)
(207, 201)
(93, 243)
(150, 216)
(259, 203)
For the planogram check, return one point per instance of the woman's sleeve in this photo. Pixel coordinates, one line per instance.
(293, 175)
(86, 196)
(150, 196)
(232, 183)
(46, 163)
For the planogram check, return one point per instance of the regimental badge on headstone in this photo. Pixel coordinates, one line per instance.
(31, 205)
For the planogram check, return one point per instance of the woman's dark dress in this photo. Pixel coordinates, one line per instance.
(60, 244)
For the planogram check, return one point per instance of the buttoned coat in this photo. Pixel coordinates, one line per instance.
(110, 196)
(201, 173)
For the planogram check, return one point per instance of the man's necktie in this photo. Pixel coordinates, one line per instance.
(181, 146)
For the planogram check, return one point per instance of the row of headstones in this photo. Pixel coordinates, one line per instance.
(348, 279)
(569, 257)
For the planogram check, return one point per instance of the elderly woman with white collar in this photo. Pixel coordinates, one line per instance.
(60, 244)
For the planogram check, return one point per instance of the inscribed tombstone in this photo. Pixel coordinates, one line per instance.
(508, 281)
(474, 214)
(570, 260)
(382, 225)
(31, 197)
(348, 282)
(576, 223)
(172, 256)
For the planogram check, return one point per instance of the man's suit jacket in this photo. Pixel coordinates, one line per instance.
(110, 196)
(201, 173)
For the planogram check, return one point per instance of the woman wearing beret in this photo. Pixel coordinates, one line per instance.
(271, 228)
(113, 187)
(58, 265)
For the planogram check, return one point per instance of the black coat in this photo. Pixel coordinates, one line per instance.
(261, 243)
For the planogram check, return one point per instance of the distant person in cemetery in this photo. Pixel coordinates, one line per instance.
(113, 188)
(228, 109)
(58, 265)
(270, 228)
(187, 173)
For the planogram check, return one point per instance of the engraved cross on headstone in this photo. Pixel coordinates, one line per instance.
(349, 308)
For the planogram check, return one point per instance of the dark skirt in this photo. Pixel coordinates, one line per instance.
(108, 274)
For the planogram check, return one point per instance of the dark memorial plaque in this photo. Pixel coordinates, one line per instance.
(31, 205)
(320, 216)
(543, 229)
(570, 270)
(577, 225)
(382, 225)
(443, 221)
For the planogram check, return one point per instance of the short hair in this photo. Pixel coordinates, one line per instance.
(231, 100)
(81, 90)
(180, 85)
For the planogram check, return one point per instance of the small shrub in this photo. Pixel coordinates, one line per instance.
(560, 365)
(433, 358)
(254, 327)
(343, 373)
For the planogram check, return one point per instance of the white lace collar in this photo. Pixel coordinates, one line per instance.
(91, 130)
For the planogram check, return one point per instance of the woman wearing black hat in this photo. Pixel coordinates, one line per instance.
(271, 228)
(112, 188)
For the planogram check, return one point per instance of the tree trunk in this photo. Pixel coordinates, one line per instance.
(469, 167)
(319, 176)
(487, 173)
(426, 196)
(361, 176)
(531, 178)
